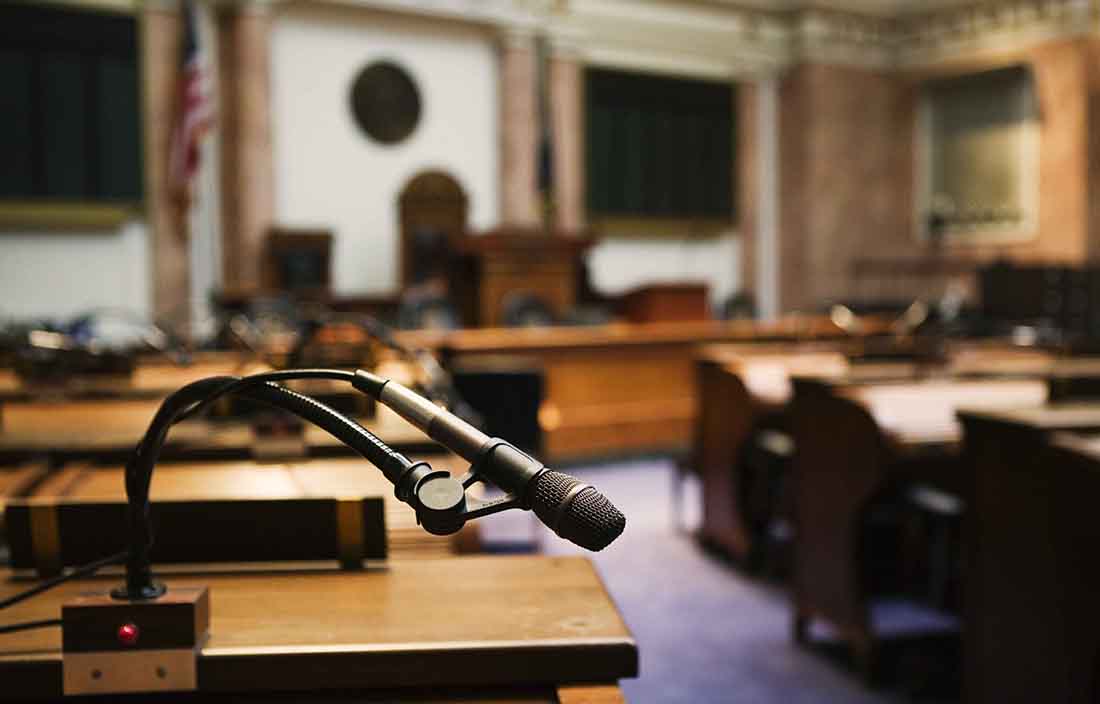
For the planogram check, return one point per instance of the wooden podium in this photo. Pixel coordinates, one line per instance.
(509, 261)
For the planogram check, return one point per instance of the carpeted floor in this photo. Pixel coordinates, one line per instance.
(706, 632)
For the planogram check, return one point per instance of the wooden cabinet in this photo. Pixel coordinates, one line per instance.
(664, 303)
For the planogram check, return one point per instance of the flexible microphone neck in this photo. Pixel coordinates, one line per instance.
(446, 428)
(574, 510)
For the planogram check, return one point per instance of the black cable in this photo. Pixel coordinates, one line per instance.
(84, 571)
(28, 625)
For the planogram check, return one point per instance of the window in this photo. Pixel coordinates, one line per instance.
(980, 167)
(659, 148)
(70, 128)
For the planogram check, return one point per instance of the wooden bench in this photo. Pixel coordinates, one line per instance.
(1031, 616)
(852, 441)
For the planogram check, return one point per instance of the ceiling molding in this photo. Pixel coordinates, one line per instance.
(999, 26)
(739, 38)
(745, 37)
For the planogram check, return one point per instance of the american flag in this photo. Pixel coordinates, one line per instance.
(195, 110)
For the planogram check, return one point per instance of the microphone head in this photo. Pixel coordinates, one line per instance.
(576, 511)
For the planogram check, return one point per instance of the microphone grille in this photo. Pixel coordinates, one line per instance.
(577, 512)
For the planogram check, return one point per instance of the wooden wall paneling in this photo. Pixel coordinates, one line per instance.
(618, 388)
(618, 399)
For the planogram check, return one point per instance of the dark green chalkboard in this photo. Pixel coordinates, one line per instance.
(69, 110)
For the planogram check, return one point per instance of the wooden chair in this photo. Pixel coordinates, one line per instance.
(298, 261)
(1032, 620)
(743, 393)
(838, 467)
(724, 420)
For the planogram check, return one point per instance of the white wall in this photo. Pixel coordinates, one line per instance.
(53, 274)
(619, 264)
(329, 174)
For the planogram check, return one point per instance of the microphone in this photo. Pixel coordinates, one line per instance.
(569, 507)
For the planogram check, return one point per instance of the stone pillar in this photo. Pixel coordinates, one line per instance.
(161, 28)
(1092, 59)
(244, 115)
(748, 189)
(519, 125)
(566, 90)
(768, 248)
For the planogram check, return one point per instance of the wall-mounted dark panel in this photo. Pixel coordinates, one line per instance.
(659, 147)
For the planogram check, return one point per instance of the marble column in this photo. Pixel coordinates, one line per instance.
(519, 125)
(248, 185)
(161, 29)
(566, 89)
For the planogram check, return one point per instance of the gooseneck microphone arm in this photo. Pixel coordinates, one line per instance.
(572, 509)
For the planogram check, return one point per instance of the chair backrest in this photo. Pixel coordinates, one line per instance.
(522, 309)
(298, 260)
(427, 312)
(433, 209)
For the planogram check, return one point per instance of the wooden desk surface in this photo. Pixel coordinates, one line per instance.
(1081, 416)
(926, 412)
(620, 334)
(1085, 444)
(103, 426)
(468, 621)
(147, 381)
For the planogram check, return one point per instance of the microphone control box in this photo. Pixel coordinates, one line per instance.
(112, 646)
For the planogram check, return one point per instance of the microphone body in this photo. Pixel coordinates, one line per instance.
(572, 509)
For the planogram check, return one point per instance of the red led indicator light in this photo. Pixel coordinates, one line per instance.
(128, 634)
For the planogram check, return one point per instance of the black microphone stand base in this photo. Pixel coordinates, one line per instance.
(147, 592)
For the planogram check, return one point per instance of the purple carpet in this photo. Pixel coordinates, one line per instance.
(706, 632)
